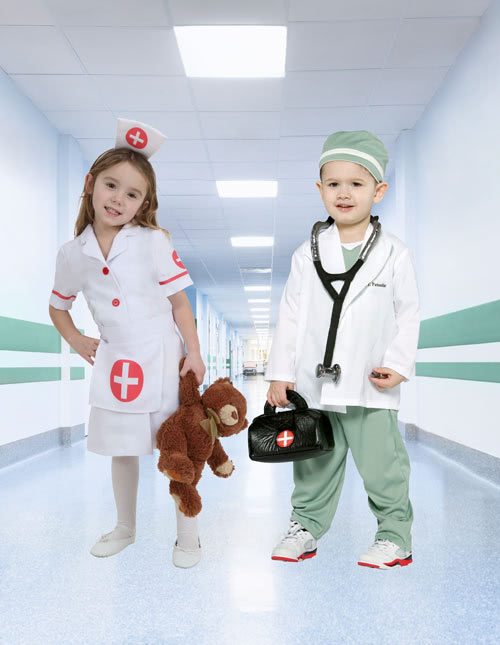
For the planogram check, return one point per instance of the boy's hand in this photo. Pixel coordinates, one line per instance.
(194, 363)
(389, 378)
(85, 346)
(276, 395)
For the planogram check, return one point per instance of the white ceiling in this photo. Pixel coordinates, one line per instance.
(351, 64)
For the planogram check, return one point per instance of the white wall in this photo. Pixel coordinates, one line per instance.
(31, 233)
(457, 169)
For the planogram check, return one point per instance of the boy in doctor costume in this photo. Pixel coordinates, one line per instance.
(376, 346)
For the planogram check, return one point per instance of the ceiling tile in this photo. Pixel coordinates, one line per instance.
(195, 216)
(28, 12)
(322, 10)
(92, 148)
(36, 50)
(123, 13)
(240, 125)
(84, 125)
(248, 208)
(430, 42)
(108, 50)
(190, 201)
(186, 187)
(61, 92)
(328, 89)
(300, 148)
(443, 8)
(179, 170)
(322, 121)
(177, 150)
(392, 118)
(406, 86)
(238, 150)
(228, 12)
(245, 170)
(242, 94)
(297, 169)
(343, 45)
(156, 93)
(297, 187)
(174, 125)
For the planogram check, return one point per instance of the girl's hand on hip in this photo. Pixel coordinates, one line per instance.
(389, 378)
(194, 363)
(85, 346)
(276, 395)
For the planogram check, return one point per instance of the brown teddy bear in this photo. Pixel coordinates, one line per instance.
(190, 437)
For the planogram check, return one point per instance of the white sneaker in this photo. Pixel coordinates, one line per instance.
(113, 542)
(186, 558)
(297, 544)
(384, 554)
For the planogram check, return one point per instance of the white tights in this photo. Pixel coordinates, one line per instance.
(125, 478)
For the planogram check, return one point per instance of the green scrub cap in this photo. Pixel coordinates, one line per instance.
(358, 146)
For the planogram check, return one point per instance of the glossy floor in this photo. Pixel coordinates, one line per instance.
(53, 507)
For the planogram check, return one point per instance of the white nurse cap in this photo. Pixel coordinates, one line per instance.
(139, 137)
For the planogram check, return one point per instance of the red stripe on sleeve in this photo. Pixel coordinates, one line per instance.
(63, 297)
(174, 278)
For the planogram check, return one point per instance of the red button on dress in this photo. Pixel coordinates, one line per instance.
(105, 270)
(115, 302)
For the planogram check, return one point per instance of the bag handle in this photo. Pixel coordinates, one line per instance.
(294, 397)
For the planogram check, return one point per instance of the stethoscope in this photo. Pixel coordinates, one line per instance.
(326, 368)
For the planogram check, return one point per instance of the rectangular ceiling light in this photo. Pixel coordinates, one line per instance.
(256, 270)
(257, 288)
(252, 241)
(259, 300)
(247, 188)
(232, 51)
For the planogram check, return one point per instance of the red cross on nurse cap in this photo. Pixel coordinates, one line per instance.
(138, 136)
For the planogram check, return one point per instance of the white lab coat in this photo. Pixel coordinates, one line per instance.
(135, 377)
(379, 324)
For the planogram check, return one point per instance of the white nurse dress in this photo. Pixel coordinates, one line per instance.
(135, 377)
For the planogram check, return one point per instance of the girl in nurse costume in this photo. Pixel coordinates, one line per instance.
(133, 282)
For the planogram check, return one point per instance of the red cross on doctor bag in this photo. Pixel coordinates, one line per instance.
(128, 376)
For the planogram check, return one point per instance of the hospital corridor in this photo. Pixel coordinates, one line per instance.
(249, 322)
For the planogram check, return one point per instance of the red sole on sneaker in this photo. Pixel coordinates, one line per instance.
(304, 556)
(394, 563)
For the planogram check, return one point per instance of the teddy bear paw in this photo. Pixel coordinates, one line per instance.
(225, 469)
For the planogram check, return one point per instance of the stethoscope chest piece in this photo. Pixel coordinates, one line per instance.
(333, 371)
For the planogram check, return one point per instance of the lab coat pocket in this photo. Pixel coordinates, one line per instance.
(128, 376)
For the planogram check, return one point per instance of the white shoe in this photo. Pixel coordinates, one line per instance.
(297, 544)
(112, 543)
(384, 554)
(186, 558)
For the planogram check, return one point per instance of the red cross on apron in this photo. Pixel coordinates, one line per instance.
(285, 438)
(137, 138)
(126, 380)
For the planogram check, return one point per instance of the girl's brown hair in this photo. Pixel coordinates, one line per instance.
(145, 216)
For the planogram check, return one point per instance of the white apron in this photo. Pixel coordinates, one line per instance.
(134, 386)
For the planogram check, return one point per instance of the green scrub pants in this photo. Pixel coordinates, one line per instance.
(382, 461)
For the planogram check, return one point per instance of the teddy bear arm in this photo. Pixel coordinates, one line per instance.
(219, 462)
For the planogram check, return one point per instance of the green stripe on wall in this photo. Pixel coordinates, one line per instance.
(26, 336)
(77, 373)
(487, 372)
(9, 375)
(470, 326)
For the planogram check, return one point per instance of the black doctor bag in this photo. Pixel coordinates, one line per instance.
(291, 435)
